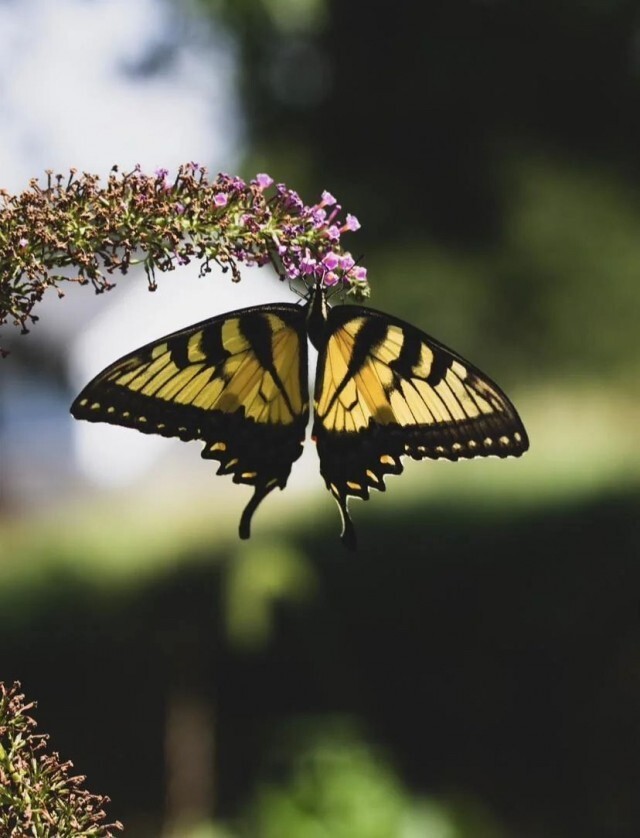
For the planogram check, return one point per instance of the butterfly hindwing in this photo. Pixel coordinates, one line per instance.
(238, 382)
(385, 390)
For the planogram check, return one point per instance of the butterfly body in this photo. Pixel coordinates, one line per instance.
(239, 383)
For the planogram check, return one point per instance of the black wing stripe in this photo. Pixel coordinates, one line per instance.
(368, 338)
(211, 346)
(439, 367)
(409, 355)
(180, 353)
(259, 332)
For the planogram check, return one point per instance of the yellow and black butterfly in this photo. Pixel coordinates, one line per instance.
(238, 382)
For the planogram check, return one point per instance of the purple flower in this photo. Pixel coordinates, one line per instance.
(346, 262)
(161, 173)
(331, 260)
(330, 278)
(229, 184)
(290, 198)
(180, 209)
(23, 242)
(220, 200)
(308, 265)
(319, 216)
(352, 223)
(359, 274)
(327, 199)
(333, 233)
(263, 181)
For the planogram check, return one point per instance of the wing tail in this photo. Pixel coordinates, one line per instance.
(259, 494)
(348, 534)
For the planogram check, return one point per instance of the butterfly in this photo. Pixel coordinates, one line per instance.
(239, 383)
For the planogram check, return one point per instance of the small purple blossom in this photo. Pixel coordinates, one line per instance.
(308, 265)
(331, 260)
(359, 275)
(294, 201)
(330, 278)
(230, 185)
(327, 199)
(290, 198)
(351, 223)
(319, 216)
(220, 200)
(161, 174)
(346, 262)
(333, 232)
(263, 181)
(23, 242)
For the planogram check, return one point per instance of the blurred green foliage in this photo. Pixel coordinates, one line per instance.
(258, 577)
(340, 786)
(490, 656)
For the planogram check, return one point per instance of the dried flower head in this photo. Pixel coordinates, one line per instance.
(38, 796)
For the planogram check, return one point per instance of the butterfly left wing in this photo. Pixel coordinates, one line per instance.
(384, 390)
(238, 382)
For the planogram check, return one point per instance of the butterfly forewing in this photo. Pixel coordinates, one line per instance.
(384, 390)
(238, 382)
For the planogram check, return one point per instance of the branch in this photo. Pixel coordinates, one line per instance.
(98, 231)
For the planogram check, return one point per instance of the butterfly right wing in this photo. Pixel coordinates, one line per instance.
(238, 382)
(385, 390)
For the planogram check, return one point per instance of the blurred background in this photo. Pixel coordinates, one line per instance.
(474, 670)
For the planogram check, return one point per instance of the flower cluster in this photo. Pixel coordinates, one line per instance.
(37, 795)
(328, 262)
(97, 231)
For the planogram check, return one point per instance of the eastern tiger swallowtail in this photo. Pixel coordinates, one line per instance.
(238, 382)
